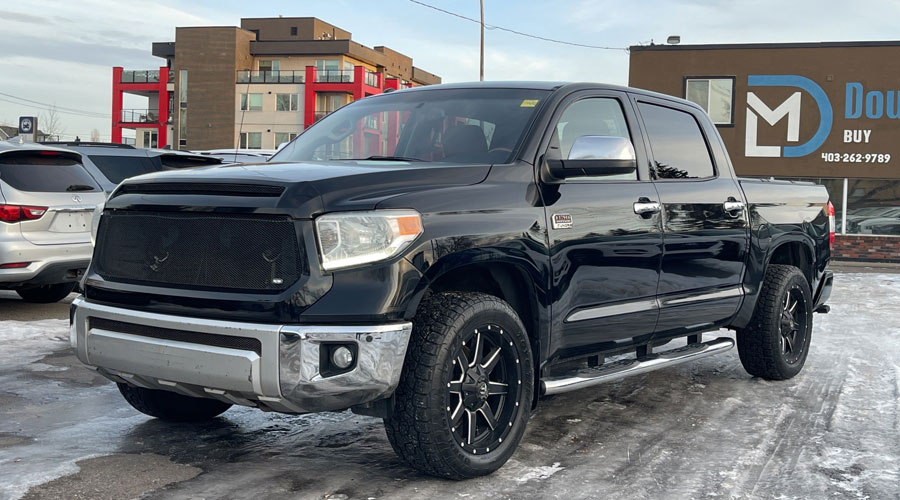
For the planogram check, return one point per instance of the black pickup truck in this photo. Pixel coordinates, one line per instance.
(441, 257)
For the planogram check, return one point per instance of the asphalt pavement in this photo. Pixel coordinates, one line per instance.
(700, 430)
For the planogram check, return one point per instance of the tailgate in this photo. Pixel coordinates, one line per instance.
(57, 190)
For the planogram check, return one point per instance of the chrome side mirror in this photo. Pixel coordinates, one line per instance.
(596, 155)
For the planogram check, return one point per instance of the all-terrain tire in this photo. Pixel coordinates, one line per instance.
(765, 346)
(46, 294)
(421, 428)
(167, 405)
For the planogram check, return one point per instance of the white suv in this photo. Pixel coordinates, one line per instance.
(46, 203)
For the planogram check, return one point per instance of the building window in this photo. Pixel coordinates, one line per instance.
(714, 95)
(873, 206)
(287, 102)
(251, 140)
(254, 103)
(182, 126)
(282, 137)
(326, 103)
(182, 88)
(269, 65)
(678, 146)
(293, 31)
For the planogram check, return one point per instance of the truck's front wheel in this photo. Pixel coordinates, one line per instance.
(466, 389)
(167, 405)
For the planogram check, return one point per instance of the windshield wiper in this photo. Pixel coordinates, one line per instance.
(385, 158)
(80, 187)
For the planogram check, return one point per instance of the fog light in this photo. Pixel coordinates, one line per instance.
(342, 357)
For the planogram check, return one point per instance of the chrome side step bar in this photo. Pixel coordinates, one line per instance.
(619, 369)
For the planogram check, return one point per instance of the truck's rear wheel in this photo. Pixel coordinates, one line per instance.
(46, 294)
(466, 389)
(775, 344)
(167, 405)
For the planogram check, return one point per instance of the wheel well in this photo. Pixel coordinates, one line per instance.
(505, 281)
(794, 254)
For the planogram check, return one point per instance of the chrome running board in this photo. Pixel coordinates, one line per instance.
(588, 377)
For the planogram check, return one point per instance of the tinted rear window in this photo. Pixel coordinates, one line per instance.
(45, 174)
(119, 168)
(679, 149)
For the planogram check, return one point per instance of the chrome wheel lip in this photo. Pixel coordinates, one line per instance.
(498, 372)
(793, 325)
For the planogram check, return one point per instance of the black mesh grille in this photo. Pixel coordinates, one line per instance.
(212, 339)
(258, 190)
(198, 251)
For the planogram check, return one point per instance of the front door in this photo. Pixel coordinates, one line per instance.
(706, 229)
(605, 257)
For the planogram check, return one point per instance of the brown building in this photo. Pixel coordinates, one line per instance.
(254, 86)
(827, 112)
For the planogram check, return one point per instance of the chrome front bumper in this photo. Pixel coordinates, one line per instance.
(285, 372)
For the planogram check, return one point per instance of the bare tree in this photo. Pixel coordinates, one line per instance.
(50, 123)
(95, 135)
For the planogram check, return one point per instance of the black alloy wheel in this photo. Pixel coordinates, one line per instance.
(466, 389)
(793, 328)
(484, 391)
(775, 343)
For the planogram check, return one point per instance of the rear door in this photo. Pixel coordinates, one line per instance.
(705, 223)
(58, 191)
(605, 257)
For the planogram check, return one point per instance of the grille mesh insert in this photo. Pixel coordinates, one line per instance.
(210, 339)
(199, 251)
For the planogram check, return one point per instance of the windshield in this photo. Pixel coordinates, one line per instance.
(119, 168)
(441, 125)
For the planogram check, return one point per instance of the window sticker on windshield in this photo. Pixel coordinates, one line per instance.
(529, 103)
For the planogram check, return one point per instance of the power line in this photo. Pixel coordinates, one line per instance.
(536, 37)
(46, 107)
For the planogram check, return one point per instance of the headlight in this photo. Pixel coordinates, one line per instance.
(354, 238)
(95, 221)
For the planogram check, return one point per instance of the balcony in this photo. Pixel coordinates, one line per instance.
(139, 116)
(334, 76)
(265, 76)
(140, 76)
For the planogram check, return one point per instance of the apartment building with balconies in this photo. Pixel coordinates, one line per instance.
(257, 85)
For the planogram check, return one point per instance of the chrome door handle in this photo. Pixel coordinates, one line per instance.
(733, 206)
(646, 207)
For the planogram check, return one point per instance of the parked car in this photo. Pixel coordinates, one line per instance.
(239, 155)
(874, 220)
(46, 200)
(109, 163)
(491, 244)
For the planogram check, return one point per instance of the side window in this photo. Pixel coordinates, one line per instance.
(592, 116)
(679, 149)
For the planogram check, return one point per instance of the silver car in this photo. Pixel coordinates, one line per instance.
(46, 203)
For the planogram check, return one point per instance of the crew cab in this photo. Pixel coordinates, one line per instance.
(442, 257)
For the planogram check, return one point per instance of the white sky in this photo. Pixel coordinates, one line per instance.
(61, 52)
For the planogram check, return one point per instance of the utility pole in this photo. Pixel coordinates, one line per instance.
(481, 69)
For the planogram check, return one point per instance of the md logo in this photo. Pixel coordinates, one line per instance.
(790, 108)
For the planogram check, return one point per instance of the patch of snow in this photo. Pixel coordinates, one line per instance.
(26, 342)
(540, 473)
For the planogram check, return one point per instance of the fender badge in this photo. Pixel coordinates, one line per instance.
(562, 221)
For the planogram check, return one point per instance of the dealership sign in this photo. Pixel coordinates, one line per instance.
(858, 103)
